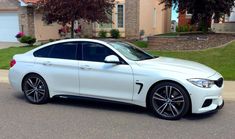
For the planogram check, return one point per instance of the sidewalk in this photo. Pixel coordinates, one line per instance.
(228, 93)
(10, 44)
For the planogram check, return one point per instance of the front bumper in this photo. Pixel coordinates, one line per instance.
(200, 96)
(218, 108)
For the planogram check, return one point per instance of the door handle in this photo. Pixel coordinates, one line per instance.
(47, 63)
(85, 67)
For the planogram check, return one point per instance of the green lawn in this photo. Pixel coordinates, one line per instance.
(7, 54)
(141, 44)
(220, 59)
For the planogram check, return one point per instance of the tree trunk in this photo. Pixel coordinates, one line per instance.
(72, 29)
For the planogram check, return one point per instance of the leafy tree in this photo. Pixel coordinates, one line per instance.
(68, 11)
(202, 10)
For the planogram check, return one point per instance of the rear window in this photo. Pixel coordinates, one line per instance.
(44, 52)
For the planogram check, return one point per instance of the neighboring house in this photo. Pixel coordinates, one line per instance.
(129, 16)
(184, 18)
(226, 24)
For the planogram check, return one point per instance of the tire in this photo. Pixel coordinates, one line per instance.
(35, 89)
(169, 101)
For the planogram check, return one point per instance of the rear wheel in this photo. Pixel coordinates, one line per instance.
(169, 101)
(35, 89)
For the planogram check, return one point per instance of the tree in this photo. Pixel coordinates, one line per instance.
(68, 11)
(202, 10)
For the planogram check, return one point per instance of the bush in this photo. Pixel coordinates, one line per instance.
(115, 33)
(28, 39)
(184, 28)
(102, 34)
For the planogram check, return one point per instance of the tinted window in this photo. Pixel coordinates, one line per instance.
(130, 51)
(44, 52)
(64, 51)
(95, 52)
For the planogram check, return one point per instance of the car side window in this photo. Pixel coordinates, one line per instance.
(44, 52)
(95, 52)
(64, 51)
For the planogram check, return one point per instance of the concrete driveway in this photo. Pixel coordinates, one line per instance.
(9, 44)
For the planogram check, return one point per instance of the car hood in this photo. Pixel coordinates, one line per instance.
(193, 69)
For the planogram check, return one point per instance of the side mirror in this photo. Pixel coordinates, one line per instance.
(112, 59)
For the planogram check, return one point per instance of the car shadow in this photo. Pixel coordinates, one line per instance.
(200, 116)
(97, 104)
(112, 106)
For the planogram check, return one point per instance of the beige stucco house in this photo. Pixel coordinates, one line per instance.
(130, 17)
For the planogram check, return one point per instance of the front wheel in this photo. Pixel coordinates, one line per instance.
(35, 89)
(169, 101)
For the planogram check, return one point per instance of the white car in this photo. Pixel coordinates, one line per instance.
(116, 71)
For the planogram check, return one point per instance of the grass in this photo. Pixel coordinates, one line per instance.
(141, 44)
(220, 59)
(172, 34)
(7, 54)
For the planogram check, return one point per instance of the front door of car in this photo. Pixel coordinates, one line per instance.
(60, 68)
(104, 80)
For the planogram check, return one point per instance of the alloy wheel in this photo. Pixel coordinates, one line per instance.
(168, 101)
(35, 89)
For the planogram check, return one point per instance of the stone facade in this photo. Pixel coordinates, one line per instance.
(132, 12)
(87, 28)
(26, 17)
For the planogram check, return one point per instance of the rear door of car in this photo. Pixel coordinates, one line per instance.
(60, 67)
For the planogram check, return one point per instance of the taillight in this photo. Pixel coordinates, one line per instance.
(13, 62)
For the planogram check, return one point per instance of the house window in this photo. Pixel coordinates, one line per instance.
(120, 16)
(154, 18)
(107, 25)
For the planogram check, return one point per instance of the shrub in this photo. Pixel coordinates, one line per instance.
(184, 28)
(28, 39)
(115, 33)
(102, 34)
(51, 40)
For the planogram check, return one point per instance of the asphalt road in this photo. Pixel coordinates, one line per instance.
(80, 119)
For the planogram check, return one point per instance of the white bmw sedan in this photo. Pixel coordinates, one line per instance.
(116, 71)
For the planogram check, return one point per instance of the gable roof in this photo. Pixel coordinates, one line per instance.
(9, 5)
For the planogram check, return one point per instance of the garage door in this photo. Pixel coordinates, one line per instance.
(9, 26)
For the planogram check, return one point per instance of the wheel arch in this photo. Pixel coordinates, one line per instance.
(169, 81)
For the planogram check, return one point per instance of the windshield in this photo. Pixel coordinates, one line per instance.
(130, 51)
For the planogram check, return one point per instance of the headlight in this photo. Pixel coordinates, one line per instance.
(204, 83)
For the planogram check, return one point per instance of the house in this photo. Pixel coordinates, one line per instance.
(20, 15)
(9, 20)
(226, 24)
(184, 18)
(130, 17)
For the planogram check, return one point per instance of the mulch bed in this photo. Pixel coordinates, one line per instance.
(189, 42)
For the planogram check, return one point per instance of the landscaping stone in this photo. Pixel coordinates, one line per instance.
(189, 42)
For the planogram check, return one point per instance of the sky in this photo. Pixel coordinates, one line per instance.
(174, 15)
